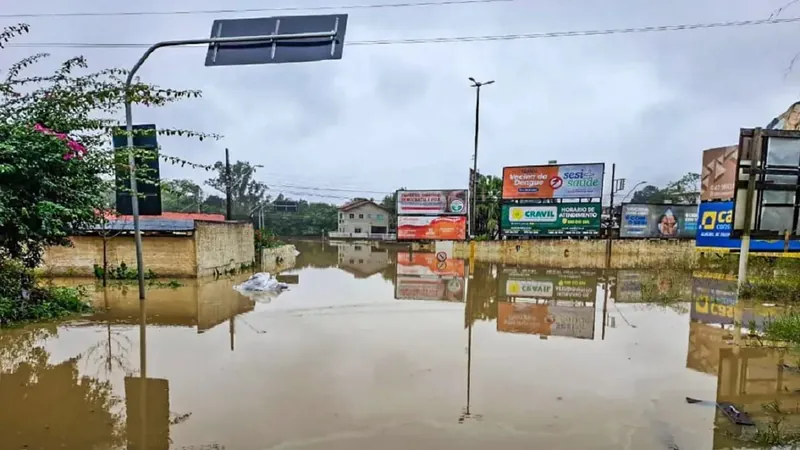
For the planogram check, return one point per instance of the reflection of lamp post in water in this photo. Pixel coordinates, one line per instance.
(143, 374)
(470, 319)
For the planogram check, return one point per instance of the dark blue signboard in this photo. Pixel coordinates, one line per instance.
(148, 182)
(278, 51)
(715, 222)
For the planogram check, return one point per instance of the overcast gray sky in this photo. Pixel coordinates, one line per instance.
(387, 116)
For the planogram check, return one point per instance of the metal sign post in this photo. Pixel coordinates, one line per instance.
(270, 40)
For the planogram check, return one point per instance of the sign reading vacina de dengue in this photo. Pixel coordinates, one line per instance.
(716, 223)
(432, 203)
(543, 182)
(564, 219)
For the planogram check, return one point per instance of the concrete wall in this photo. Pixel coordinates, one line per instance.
(274, 260)
(625, 254)
(167, 256)
(223, 245)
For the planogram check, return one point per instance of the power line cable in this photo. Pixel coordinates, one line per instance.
(460, 39)
(252, 10)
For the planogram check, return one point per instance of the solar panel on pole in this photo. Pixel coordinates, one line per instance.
(314, 38)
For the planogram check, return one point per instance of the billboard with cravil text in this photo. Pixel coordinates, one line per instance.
(432, 203)
(440, 228)
(554, 181)
(658, 221)
(562, 219)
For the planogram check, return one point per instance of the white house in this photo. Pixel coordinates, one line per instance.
(363, 219)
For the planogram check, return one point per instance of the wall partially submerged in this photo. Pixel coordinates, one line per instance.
(584, 253)
(274, 260)
(222, 246)
(213, 247)
(167, 256)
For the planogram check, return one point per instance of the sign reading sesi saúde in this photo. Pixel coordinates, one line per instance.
(432, 203)
(540, 182)
(566, 219)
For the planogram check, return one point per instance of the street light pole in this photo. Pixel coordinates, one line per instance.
(477, 85)
(268, 38)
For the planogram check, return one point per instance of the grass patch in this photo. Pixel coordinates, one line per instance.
(122, 272)
(784, 328)
(776, 289)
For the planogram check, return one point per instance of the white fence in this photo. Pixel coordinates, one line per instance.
(370, 236)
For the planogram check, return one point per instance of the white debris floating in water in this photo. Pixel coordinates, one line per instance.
(261, 282)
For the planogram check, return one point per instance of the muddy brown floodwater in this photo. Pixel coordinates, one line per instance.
(380, 349)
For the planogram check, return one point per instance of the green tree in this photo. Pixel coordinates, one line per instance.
(56, 159)
(246, 191)
(310, 219)
(181, 195)
(684, 190)
(390, 203)
(488, 205)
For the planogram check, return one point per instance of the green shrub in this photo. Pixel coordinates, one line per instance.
(23, 298)
(122, 272)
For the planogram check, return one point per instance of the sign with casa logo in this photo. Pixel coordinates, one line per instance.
(565, 219)
(714, 230)
(566, 181)
(432, 203)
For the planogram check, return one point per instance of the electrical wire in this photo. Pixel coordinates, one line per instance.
(460, 39)
(252, 10)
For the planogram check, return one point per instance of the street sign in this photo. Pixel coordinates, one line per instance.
(148, 181)
(308, 42)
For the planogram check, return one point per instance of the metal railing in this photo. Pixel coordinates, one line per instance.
(371, 236)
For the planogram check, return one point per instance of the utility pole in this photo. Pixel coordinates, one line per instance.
(755, 159)
(228, 195)
(477, 85)
(610, 227)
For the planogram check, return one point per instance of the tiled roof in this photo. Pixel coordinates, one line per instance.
(147, 223)
(356, 203)
(173, 216)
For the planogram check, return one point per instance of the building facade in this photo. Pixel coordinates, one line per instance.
(363, 219)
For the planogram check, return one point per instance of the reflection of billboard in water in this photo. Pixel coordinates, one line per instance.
(557, 284)
(658, 221)
(429, 288)
(546, 320)
(715, 300)
(426, 264)
(628, 286)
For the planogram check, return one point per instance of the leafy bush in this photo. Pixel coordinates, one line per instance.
(265, 239)
(776, 289)
(23, 299)
(122, 272)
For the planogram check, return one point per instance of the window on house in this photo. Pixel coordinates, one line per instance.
(369, 216)
(357, 230)
(357, 248)
(352, 261)
(341, 215)
(361, 261)
(379, 216)
(360, 216)
(352, 216)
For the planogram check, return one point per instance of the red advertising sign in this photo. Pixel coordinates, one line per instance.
(446, 228)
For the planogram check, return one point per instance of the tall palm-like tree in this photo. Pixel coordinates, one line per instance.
(487, 209)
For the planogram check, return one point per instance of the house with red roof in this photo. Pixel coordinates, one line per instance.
(363, 219)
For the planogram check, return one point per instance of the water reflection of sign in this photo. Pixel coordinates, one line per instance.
(426, 264)
(714, 301)
(546, 320)
(433, 288)
(560, 284)
(154, 418)
(629, 286)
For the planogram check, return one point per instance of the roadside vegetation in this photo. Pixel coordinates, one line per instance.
(57, 166)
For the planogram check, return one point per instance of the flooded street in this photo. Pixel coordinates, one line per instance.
(378, 348)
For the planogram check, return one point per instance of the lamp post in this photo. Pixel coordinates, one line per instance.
(633, 189)
(477, 85)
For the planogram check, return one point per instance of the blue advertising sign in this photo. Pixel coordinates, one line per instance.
(714, 227)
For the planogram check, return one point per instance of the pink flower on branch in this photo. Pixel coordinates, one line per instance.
(76, 149)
